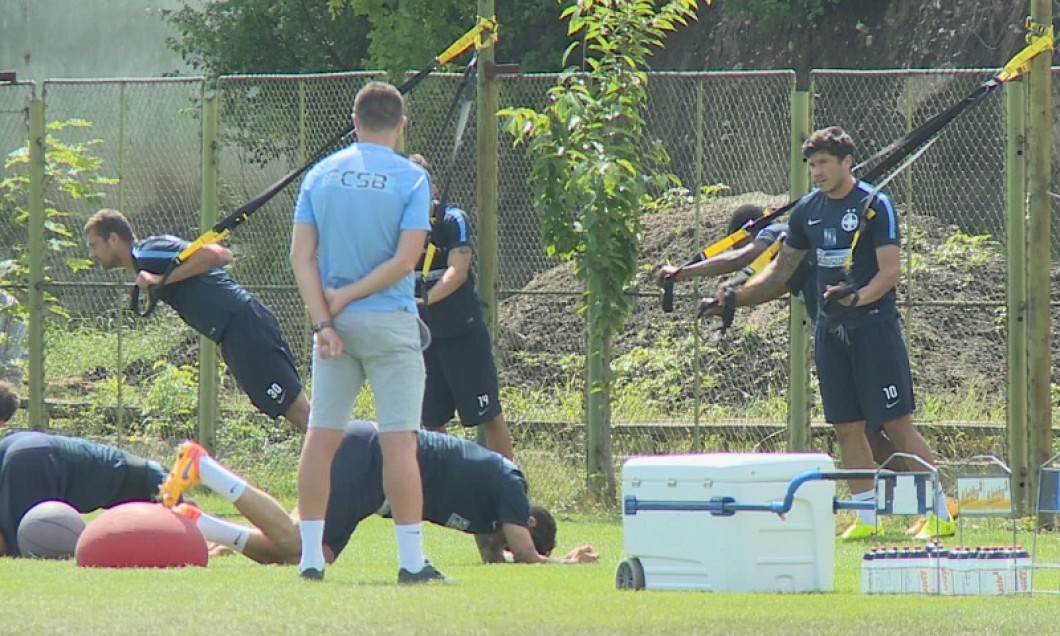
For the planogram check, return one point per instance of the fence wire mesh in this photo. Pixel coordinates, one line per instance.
(679, 386)
(14, 131)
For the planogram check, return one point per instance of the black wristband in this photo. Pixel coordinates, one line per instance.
(321, 326)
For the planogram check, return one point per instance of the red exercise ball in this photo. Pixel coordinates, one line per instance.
(141, 535)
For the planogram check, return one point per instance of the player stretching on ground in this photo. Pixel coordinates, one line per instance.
(465, 487)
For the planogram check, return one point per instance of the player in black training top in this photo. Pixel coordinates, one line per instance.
(862, 362)
(461, 371)
(213, 304)
(466, 487)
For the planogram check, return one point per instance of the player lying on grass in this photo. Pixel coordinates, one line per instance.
(465, 487)
(36, 467)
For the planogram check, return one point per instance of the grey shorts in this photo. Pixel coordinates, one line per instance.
(382, 347)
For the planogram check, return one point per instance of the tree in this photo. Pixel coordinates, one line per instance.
(593, 172)
(296, 36)
(407, 33)
(268, 36)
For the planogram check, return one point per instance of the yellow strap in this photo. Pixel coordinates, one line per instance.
(736, 237)
(869, 215)
(208, 238)
(481, 36)
(726, 243)
(760, 261)
(1040, 40)
(428, 258)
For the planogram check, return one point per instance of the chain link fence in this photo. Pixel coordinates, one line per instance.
(679, 385)
(14, 130)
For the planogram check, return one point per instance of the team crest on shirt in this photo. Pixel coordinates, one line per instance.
(850, 220)
(456, 522)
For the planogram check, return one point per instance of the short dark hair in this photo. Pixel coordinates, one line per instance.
(379, 106)
(743, 215)
(106, 222)
(832, 140)
(543, 532)
(9, 401)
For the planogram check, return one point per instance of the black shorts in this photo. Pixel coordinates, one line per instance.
(864, 373)
(356, 491)
(142, 479)
(260, 360)
(461, 378)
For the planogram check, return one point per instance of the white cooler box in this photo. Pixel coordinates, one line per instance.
(745, 551)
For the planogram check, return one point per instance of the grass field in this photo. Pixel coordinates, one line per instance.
(235, 596)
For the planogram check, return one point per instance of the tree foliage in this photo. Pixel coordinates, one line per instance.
(592, 168)
(268, 36)
(294, 36)
(71, 173)
(408, 33)
(593, 171)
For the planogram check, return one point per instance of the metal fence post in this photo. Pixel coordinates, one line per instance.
(208, 216)
(697, 225)
(799, 437)
(35, 365)
(1016, 290)
(1039, 253)
(486, 194)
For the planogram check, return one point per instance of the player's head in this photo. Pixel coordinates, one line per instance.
(832, 140)
(378, 108)
(422, 162)
(829, 152)
(109, 237)
(542, 530)
(743, 215)
(8, 402)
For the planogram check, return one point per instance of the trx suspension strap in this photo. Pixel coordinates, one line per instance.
(463, 99)
(1040, 40)
(482, 35)
(728, 301)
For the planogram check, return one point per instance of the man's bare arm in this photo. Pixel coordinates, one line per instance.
(771, 282)
(456, 273)
(523, 551)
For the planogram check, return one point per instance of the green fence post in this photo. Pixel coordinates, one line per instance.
(486, 185)
(799, 438)
(1039, 253)
(1016, 290)
(697, 338)
(119, 412)
(208, 217)
(35, 364)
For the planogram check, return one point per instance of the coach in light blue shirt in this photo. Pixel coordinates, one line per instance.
(360, 224)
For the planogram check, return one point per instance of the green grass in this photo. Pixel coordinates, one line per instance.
(235, 596)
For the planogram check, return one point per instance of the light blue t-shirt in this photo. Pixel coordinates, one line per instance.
(360, 199)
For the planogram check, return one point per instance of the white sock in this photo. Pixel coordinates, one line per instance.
(312, 531)
(410, 546)
(224, 532)
(866, 516)
(220, 480)
(941, 509)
